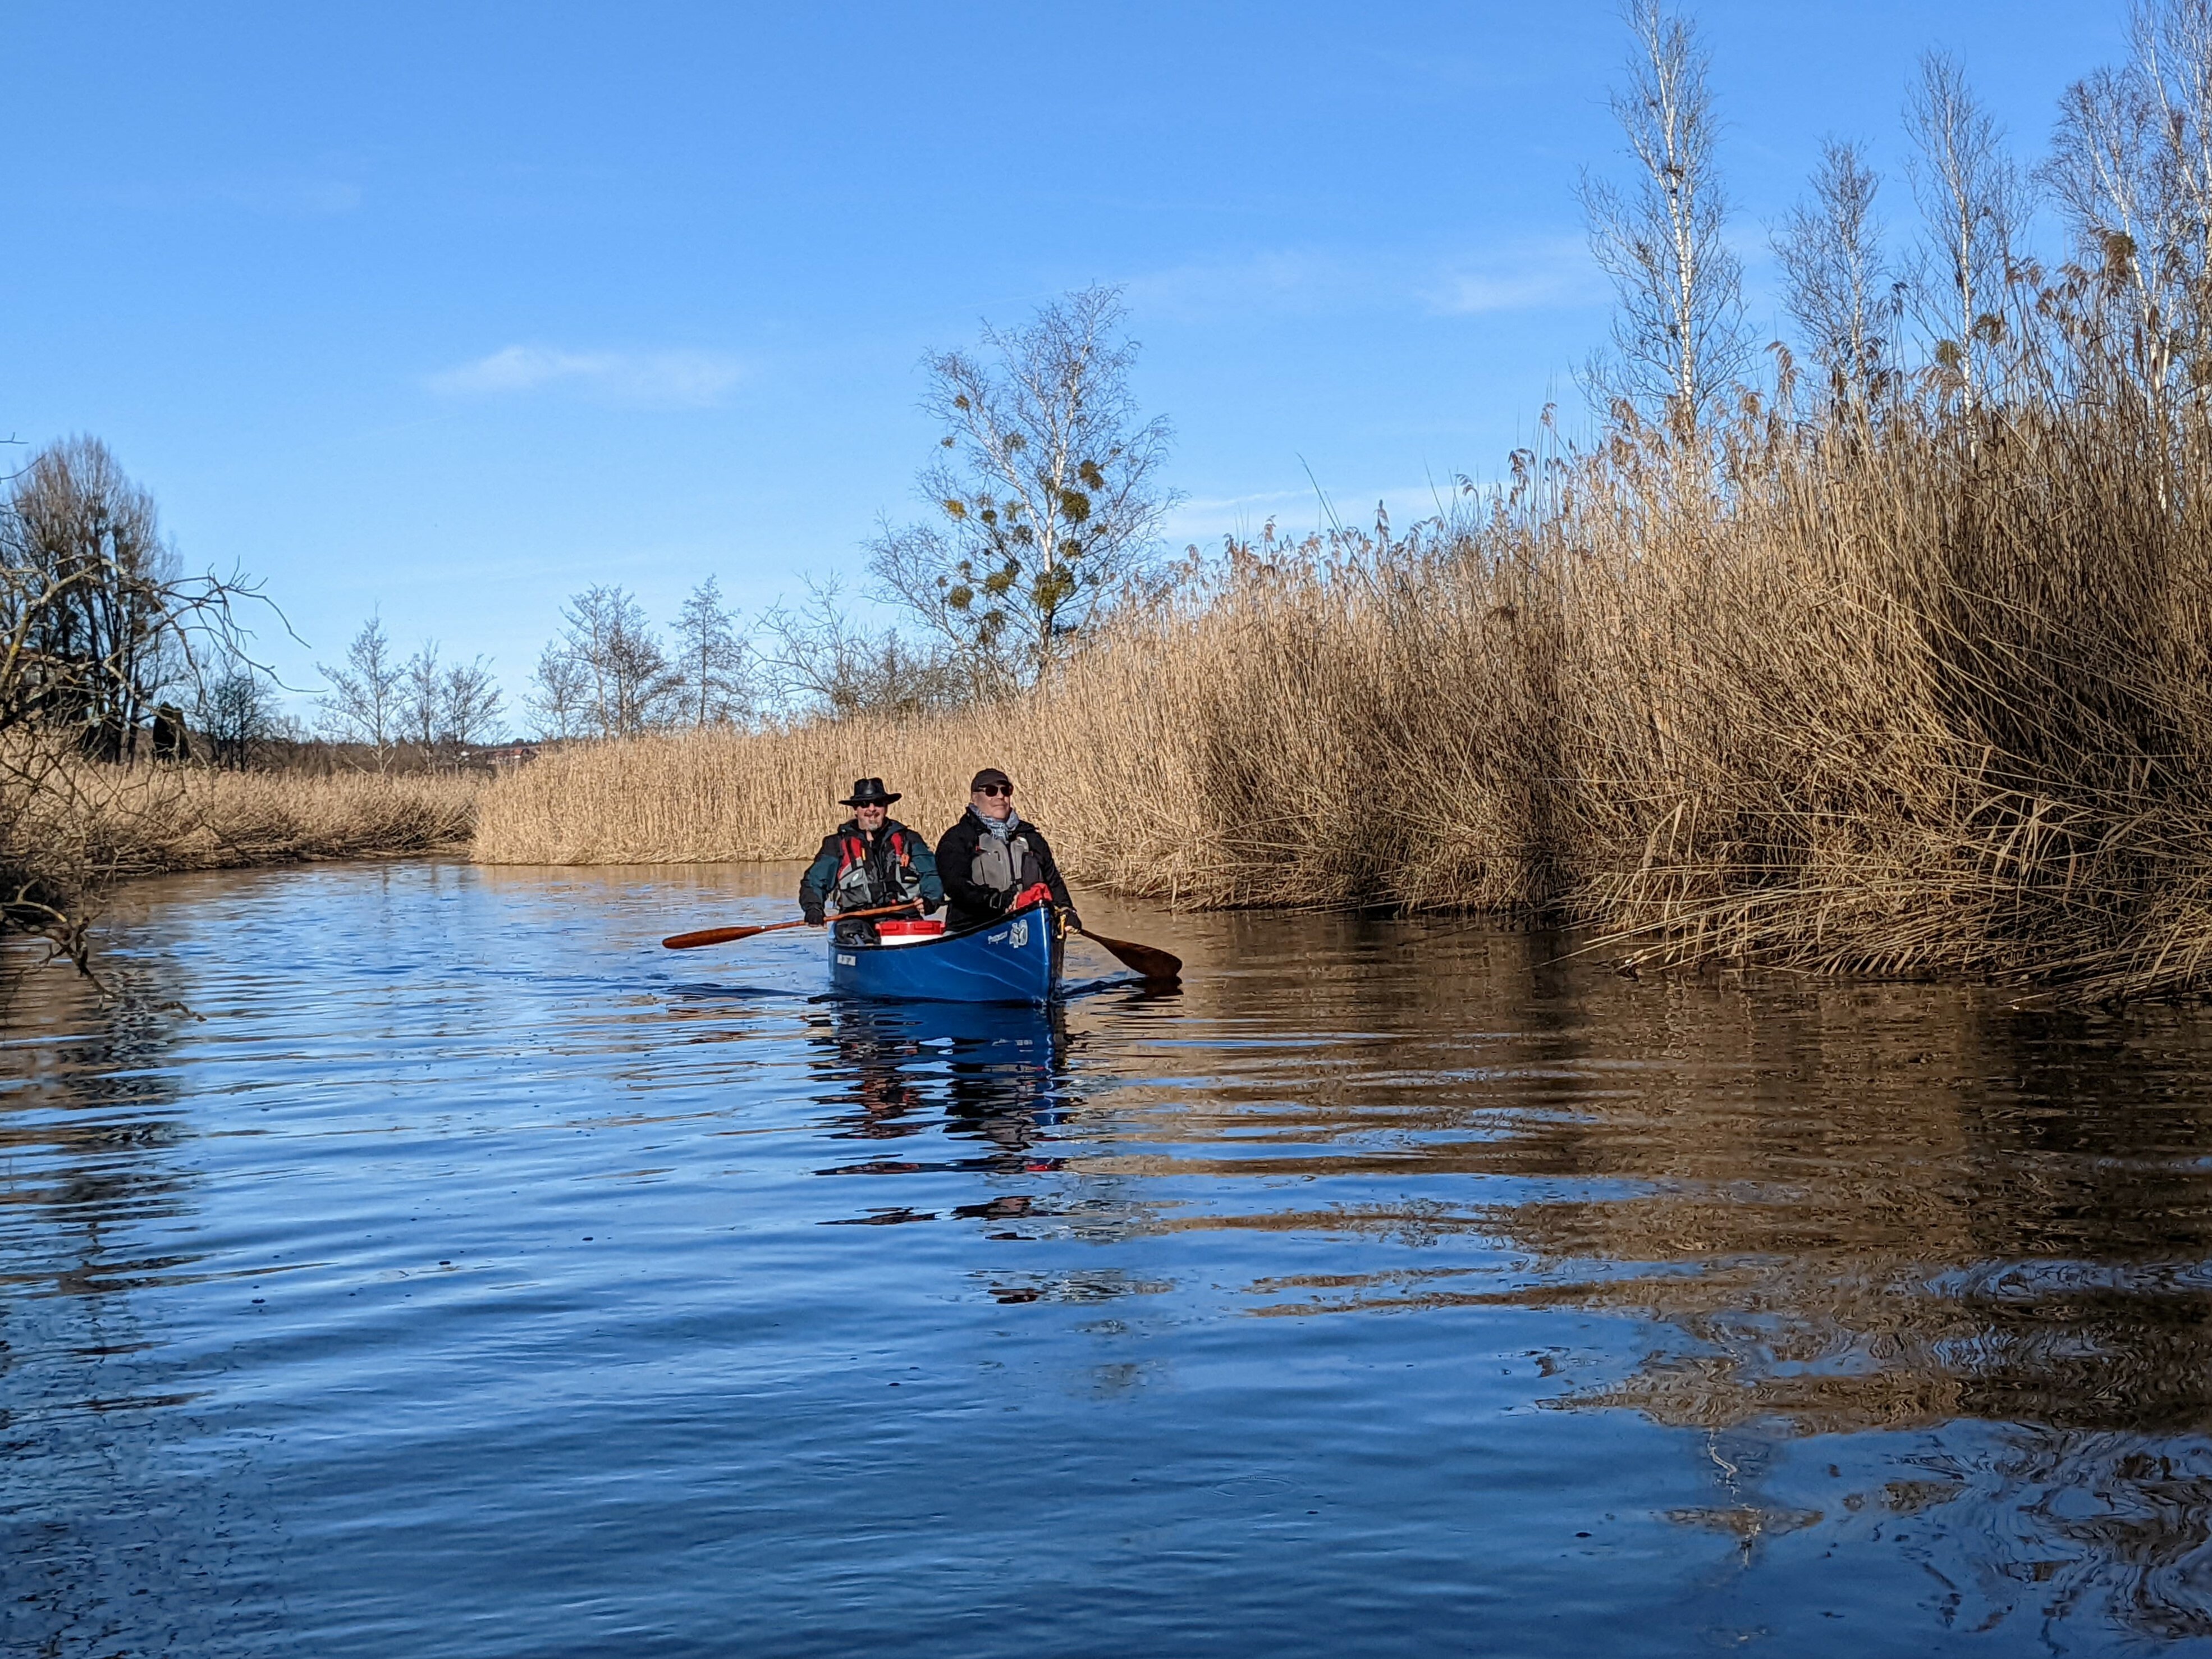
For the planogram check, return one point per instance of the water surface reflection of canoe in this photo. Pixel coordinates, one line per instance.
(1014, 959)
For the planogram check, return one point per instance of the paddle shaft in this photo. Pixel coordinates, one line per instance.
(731, 935)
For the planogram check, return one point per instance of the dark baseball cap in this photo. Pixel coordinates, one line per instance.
(990, 775)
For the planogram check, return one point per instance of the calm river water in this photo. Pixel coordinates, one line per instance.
(457, 1273)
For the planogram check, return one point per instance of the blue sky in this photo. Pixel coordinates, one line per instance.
(451, 309)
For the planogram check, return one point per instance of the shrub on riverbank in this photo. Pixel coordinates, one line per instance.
(1919, 693)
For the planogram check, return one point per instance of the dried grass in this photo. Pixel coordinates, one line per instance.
(88, 824)
(1925, 696)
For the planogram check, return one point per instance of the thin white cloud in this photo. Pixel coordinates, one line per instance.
(662, 380)
(1208, 517)
(1534, 277)
(1292, 280)
(1205, 519)
(1302, 282)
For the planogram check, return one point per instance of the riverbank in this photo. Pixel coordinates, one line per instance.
(84, 826)
(1920, 698)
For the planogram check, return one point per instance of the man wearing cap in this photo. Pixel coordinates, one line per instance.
(869, 862)
(993, 856)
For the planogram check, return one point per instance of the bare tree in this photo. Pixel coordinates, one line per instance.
(712, 660)
(1838, 286)
(364, 704)
(1970, 196)
(234, 711)
(2172, 42)
(93, 620)
(2130, 168)
(90, 580)
(468, 704)
(1045, 499)
(629, 684)
(560, 692)
(1679, 341)
(826, 663)
(2112, 177)
(422, 697)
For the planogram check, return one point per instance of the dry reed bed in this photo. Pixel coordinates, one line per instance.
(1920, 698)
(102, 821)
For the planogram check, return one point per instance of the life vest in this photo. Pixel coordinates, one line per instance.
(856, 887)
(1004, 865)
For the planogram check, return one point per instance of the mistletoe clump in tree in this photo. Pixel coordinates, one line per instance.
(1047, 504)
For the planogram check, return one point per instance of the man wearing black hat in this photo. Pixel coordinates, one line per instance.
(869, 860)
(992, 856)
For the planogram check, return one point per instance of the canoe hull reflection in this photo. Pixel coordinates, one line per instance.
(1016, 959)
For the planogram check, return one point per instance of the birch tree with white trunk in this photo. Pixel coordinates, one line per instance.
(1046, 503)
(1680, 344)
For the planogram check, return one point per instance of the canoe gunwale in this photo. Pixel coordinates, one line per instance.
(938, 941)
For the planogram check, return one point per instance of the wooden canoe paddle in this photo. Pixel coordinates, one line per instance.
(1156, 966)
(731, 935)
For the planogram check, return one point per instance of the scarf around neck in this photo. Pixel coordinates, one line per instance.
(1002, 828)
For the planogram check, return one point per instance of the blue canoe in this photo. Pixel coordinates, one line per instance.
(1014, 959)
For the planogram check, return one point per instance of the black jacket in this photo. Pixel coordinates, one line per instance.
(968, 905)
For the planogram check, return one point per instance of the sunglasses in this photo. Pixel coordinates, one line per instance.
(995, 789)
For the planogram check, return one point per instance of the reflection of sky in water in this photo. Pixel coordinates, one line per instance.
(462, 1274)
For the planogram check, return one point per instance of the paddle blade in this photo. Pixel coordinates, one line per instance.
(710, 936)
(1155, 965)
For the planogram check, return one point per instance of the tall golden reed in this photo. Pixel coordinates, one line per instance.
(92, 822)
(1908, 695)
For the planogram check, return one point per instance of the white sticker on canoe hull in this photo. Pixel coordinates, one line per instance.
(844, 961)
(1019, 934)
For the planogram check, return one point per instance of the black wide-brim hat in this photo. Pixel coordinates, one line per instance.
(869, 792)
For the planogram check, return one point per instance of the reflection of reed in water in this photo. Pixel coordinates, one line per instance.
(1859, 1210)
(1863, 1208)
(1842, 1209)
(2006, 1223)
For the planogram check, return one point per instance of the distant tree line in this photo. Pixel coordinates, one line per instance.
(1045, 510)
(384, 703)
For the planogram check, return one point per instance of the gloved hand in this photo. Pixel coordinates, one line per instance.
(931, 906)
(998, 904)
(1074, 922)
(813, 914)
